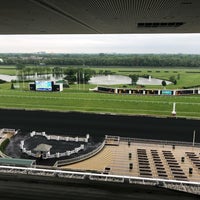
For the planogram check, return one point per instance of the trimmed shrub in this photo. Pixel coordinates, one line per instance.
(4, 144)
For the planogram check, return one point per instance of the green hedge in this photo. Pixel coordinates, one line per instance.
(4, 144)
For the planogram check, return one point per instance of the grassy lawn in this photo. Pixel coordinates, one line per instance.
(85, 101)
(78, 98)
(8, 70)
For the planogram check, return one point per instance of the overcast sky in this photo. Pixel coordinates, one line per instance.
(124, 43)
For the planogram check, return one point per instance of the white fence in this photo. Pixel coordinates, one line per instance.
(47, 155)
(61, 138)
(185, 186)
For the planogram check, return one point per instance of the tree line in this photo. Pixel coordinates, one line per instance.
(128, 60)
(71, 74)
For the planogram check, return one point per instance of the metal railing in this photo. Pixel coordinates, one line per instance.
(8, 130)
(80, 158)
(160, 142)
(184, 186)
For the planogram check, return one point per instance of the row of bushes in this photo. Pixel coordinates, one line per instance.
(149, 71)
(129, 71)
(4, 144)
(192, 86)
(194, 72)
(2, 81)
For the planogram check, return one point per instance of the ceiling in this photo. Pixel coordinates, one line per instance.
(99, 16)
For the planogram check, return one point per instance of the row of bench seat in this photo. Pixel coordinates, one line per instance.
(158, 164)
(194, 158)
(174, 166)
(143, 162)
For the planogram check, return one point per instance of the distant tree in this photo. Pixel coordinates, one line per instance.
(175, 82)
(71, 75)
(79, 75)
(20, 66)
(57, 71)
(102, 59)
(12, 86)
(100, 71)
(134, 78)
(27, 71)
(107, 72)
(172, 79)
(164, 83)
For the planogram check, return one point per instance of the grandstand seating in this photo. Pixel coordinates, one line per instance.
(143, 160)
(174, 166)
(161, 171)
(133, 162)
(194, 158)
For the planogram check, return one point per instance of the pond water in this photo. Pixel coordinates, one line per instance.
(119, 79)
(96, 80)
(151, 81)
(110, 80)
(9, 78)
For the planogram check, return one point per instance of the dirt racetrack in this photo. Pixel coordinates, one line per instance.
(180, 129)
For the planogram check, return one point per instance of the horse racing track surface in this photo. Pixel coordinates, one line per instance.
(57, 123)
(99, 125)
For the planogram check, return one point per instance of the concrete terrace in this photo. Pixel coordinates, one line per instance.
(175, 162)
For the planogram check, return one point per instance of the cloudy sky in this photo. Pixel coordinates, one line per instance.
(124, 43)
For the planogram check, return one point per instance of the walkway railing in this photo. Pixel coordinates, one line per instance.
(184, 186)
(80, 158)
(161, 142)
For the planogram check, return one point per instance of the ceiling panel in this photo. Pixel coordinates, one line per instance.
(98, 16)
